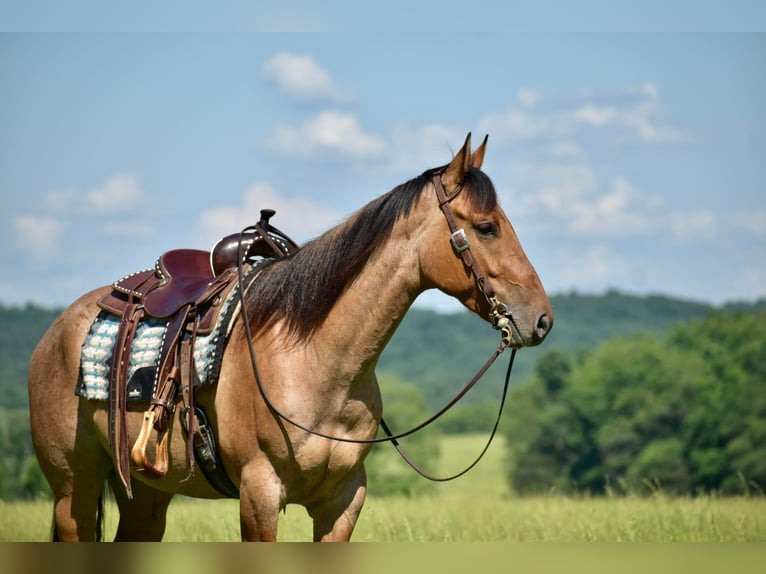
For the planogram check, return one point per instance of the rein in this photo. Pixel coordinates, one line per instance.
(499, 317)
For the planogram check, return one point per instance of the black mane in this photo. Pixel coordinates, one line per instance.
(303, 288)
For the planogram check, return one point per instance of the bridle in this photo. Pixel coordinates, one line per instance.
(499, 316)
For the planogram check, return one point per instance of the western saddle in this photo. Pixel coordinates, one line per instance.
(186, 289)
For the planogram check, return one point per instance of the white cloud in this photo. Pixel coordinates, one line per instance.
(629, 114)
(300, 217)
(557, 185)
(39, 237)
(119, 193)
(634, 113)
(405, 149)
(595, 115)
(329, 131)
(552, 186)
(520, 123)
(622, 210)
(570, 196)
(302, 77)
(642, 121)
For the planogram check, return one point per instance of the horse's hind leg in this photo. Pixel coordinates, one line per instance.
(142, 518)
(75, 464)
(77, 483)
(65, 438)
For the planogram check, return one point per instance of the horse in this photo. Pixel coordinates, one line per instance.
(320, 319)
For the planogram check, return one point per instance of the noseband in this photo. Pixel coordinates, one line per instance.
(499, 314)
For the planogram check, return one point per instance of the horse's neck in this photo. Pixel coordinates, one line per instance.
(367, 314)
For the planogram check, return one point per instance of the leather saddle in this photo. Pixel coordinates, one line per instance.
(185, 289)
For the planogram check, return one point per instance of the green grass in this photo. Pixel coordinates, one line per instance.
(476, 508)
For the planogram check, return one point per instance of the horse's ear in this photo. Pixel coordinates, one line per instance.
(477, 158)
(454, 174)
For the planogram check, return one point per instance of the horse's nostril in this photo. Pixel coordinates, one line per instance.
(543, 326)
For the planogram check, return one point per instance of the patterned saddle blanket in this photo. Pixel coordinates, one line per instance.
(99, 345)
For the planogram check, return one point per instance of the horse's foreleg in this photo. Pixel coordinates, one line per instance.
(334, 519)
(142, 518)
(259, 503)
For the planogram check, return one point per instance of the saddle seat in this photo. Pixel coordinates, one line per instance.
(186, 278)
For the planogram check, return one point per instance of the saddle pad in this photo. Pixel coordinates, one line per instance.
(97, 350)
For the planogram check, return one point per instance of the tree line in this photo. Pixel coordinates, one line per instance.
(682, 413)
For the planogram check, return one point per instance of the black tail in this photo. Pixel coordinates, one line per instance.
(54, 530)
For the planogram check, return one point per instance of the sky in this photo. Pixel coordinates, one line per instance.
(625, 159)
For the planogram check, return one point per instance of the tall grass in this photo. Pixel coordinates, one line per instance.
(475, 508)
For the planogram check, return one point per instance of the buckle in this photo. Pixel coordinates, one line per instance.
(459, 241)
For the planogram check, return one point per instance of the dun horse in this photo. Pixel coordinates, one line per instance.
(320, 319)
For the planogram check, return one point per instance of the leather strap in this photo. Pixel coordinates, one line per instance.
(187, 387)
(118, 378)
(459, 240)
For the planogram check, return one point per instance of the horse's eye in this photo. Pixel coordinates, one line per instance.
(486, 229)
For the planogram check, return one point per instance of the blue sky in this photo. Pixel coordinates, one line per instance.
(624, 160)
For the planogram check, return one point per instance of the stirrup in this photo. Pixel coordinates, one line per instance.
(138, 453)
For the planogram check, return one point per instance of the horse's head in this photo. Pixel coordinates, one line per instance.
(472, 251)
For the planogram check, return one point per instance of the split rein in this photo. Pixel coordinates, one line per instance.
(499, 316)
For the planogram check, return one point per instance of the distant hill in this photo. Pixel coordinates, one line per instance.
(437, 353)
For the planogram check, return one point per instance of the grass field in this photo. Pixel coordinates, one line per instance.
(475, 508)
